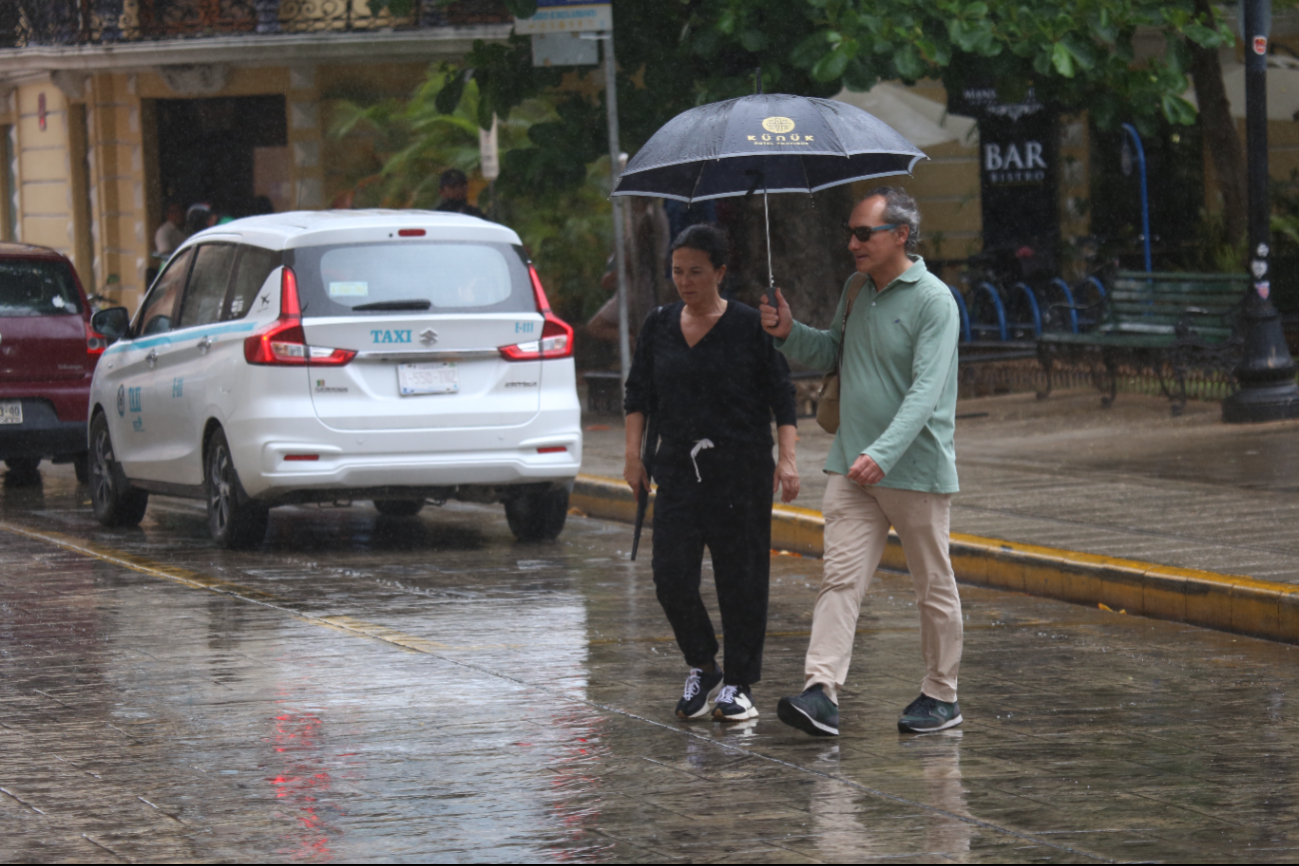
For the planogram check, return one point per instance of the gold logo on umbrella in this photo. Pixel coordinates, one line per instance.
(778, 124)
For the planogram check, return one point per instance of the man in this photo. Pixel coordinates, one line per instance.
(455, 194)
(893, 461)
(170, 234)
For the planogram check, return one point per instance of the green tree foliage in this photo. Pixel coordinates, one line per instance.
(674, 54)
(565, 226)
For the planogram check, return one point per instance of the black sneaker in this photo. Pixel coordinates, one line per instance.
(925, 715)
(811, 712)
(697, 699)
(734, 704)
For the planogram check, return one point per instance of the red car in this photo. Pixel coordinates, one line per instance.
(48, 353)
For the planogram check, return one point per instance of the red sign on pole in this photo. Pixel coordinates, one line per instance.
(1260, 45)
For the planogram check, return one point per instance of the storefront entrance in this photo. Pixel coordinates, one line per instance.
(230, 152)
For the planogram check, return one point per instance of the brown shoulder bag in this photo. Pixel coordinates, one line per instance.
(827, 406)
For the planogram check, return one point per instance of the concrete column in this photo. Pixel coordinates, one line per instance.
(303, 105)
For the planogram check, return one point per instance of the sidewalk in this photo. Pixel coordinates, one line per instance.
(1130, 482)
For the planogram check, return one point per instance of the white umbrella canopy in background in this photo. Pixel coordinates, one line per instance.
(922, 121)
(1282, 88)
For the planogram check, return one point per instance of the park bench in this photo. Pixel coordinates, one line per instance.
(1158, 321)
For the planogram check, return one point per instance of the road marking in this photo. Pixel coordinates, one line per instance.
(424, 646)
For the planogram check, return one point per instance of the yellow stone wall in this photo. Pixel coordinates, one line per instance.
(120, 231)
(44, 181)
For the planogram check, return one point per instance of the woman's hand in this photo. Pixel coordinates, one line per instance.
(634, 474)
(786, 478)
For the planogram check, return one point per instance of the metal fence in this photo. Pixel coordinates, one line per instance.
(25, 23)
(1023, 376)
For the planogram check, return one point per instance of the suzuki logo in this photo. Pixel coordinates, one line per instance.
(428, 337)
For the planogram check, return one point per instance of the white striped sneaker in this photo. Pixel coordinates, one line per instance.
(734, 704)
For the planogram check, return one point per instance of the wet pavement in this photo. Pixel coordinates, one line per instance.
(376, 689)
(1129, 482)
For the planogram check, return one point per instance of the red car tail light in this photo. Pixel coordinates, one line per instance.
(556, 335)
(283, 343)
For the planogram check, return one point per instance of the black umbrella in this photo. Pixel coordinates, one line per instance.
(767, 142)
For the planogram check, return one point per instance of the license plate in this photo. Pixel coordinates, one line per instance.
(437, 378)
(11, 413)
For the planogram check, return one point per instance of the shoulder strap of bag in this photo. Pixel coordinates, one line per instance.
(854, 289)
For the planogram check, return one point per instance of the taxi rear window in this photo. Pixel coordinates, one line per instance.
(432, 276)
(31, 287)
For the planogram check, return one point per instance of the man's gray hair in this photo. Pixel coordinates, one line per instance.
(900, 209)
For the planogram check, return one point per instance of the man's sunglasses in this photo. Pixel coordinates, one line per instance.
(863, 233)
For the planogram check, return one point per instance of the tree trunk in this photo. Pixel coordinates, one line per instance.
(1220, 132)
(647, 251)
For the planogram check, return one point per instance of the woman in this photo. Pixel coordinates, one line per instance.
(713, 376)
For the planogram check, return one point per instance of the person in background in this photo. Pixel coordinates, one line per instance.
(455, 194)
(171, 233)
(716, 381)
(603, 326)
(893, 460)
(198, 217)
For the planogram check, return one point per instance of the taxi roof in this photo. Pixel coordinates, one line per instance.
(315, 228)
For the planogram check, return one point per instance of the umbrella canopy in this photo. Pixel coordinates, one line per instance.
(765, 143)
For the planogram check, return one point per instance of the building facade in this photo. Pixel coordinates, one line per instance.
(111, 108)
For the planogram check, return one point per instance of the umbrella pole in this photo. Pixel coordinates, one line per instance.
(766, 218)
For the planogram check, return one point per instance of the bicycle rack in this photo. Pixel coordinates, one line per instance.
(1023, 290)
(990, 291)
(1068, 299)
(966, 335)
(1096, 284)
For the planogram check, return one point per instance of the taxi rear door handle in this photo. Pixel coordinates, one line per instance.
(152, 357)
(204, 344)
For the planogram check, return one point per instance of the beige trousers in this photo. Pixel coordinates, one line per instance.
(857, 521)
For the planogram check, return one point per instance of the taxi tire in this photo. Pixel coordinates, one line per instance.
(234, 520)
(538, 516)
(115, 502)
(399, 507)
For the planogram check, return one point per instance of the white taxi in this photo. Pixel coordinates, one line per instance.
(390, 356)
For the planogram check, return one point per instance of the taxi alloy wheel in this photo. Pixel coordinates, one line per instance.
(115, 502)
(234, 520)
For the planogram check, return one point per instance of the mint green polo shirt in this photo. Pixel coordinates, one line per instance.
(897, 397)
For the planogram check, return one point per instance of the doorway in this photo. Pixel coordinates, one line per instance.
(230, 152)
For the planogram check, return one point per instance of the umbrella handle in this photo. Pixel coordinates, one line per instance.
(766, 217)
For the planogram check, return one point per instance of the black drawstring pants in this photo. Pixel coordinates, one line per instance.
(729, 512)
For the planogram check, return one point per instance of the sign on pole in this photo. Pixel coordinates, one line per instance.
(489, 152)
(566, 16)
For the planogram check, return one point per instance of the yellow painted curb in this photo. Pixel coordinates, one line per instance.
(1226, 602)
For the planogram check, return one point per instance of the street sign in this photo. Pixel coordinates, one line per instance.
(566, 16)
(489, 152)
(564, 49)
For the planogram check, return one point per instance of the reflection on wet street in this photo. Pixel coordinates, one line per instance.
(370, 688)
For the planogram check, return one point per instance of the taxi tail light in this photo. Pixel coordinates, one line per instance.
(556, 334)
(96, 342)
(283, 343)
